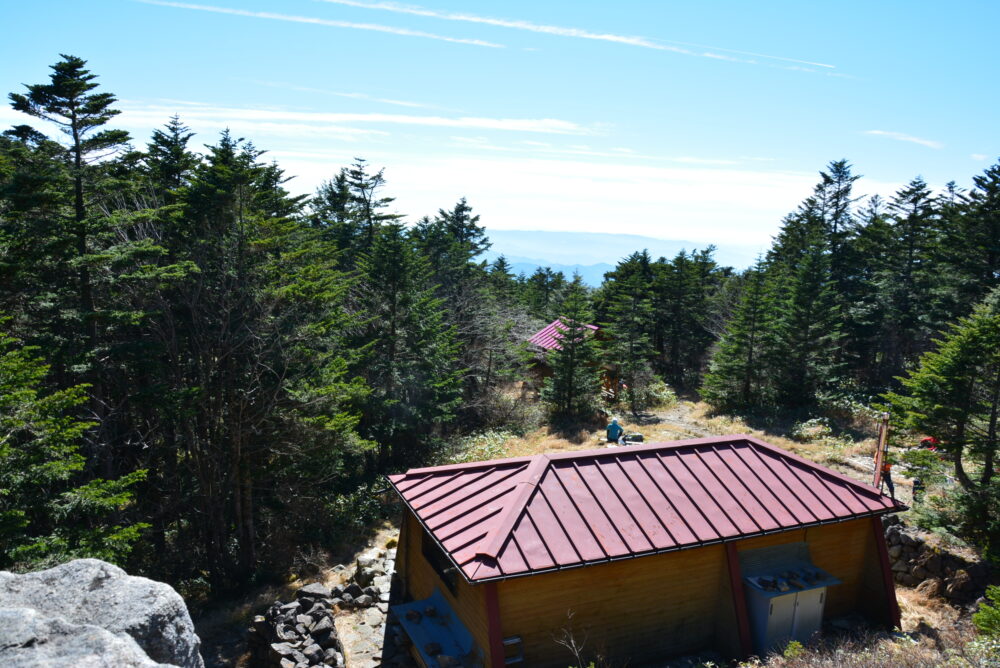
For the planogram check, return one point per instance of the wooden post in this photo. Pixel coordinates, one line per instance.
(739, 599)
(881, 450)
(494, 630)
(892, 605)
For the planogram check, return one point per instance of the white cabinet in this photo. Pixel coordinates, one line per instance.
(785, 595)
(808, 613)
(776, 619)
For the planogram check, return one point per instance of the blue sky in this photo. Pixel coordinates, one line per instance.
(705, 121)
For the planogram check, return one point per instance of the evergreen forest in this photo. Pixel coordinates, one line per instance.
(200, 372)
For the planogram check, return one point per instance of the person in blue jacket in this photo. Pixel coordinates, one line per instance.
(615, 432)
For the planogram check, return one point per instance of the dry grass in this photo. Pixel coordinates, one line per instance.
(687, 419)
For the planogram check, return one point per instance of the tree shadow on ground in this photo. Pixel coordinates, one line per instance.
(645, 418)
(785, 423)
(576, 431)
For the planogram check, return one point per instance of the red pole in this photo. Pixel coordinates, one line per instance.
(887, 580)
(494, 631)
(739, 599)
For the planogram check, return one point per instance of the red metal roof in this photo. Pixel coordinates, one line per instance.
(510, 517)
(548, 337)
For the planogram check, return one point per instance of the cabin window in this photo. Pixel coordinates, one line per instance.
(439, 562)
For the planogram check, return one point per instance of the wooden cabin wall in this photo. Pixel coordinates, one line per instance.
(647, 608)
(420, 580)
(636, 609)
(840, 550)
(874, 603)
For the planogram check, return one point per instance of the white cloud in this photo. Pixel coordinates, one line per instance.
(352, 96)
(157, 114)
(980, 157)
(899, 136)
(701, 204)
(548, 150)
(375, 27)
(563, 31)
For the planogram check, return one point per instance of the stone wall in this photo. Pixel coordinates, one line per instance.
(931, 568)
(304, 633)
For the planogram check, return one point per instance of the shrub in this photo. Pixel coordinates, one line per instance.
(987, 618)
(485, 445)
(813, 429)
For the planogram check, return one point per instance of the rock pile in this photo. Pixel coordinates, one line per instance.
(934, 571)
(297, 634)
(303, 632)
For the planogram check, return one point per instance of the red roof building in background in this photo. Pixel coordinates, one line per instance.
(548, 337)
(514, 517)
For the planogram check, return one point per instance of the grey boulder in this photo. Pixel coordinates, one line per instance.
(30, 640)
(90, 592)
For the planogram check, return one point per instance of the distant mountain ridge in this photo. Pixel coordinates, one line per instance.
(592, 254)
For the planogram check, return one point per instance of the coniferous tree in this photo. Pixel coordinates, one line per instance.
(502, 282)
(367, 208)
(954, 395)
(736, 376)
(906, 279)
(46, 514)
(410, 349)
(629, 314)
(542, 293)
(68, 102)
(971, 248)
(168, 162)
(574, 388)
(807, 329)
(682, 292)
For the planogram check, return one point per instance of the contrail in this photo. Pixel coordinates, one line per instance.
(375, 27)
(563, 31)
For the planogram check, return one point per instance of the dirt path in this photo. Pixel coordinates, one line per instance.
(678, 418)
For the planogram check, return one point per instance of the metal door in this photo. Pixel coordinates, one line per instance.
(808, 613)
(780, 618)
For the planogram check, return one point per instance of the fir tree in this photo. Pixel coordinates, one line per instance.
(736, 376)
(574, 388)
(410, 355)
(629, 314)
(168, 162)
(46, 515)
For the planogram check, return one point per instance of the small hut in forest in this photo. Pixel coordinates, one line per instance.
(547, 339)
(646, 552)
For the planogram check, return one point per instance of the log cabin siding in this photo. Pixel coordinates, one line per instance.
(840, 550)
(643, 608)
(420, 580)
(646, 608)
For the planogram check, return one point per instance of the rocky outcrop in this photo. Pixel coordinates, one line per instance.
(931, 569)
(28, 639)
(80, 599)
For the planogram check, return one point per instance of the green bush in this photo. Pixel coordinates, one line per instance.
(813, 429)
(987, 618)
